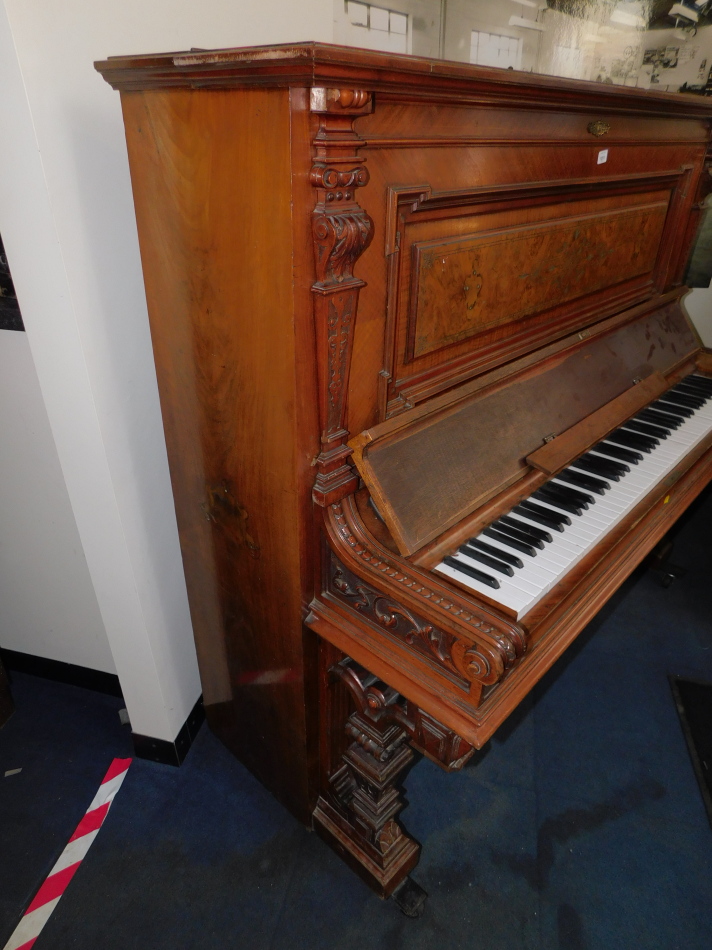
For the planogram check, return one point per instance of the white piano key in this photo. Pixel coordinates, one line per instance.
(528, 587)
(510, 597)
(542, 572)
(621, 495)
(572, 531)
(579, 538)
(555, 535)
(551, 561)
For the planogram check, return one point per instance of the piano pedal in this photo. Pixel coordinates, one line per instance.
(410, 897)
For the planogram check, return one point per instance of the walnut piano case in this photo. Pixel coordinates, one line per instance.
(389, 298)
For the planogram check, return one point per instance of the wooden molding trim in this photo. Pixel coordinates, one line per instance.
(400, 76)
(341, 232)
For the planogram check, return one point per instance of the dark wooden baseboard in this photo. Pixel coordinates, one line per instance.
(145, 747)
(61, 672)
(171, 753)
(6, 704)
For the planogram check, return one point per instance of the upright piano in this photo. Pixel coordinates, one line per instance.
(429, 392)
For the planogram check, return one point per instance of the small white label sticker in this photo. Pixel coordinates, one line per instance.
(602, 156)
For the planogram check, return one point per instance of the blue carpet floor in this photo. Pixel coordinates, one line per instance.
(581, 827)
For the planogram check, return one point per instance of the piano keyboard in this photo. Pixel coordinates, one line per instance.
(519, 558)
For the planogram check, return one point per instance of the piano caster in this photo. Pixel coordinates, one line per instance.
(669, 573)
(410, 897)
(658, 561)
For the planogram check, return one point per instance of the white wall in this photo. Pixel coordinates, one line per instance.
(66, 217)
(698, 304)
(47, 603)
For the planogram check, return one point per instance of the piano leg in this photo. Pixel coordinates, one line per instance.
(360, 789)
(361, 794)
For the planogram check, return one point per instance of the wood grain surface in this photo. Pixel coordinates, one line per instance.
(376, 284)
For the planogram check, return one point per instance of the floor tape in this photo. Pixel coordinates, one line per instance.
(48, 896)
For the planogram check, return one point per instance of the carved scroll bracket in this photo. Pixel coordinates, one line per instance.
(380, 707)
(341, 232)
(466, 663)
(497, 643)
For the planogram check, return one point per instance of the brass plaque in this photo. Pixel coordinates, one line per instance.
(469, 284)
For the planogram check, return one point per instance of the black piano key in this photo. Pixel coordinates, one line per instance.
(644, 440)
(597, 485)
(488, 561)
(619, 452)
(667, 405)
(471, 572)
(631, 440)
(572, 494)
(667, 411)
(545, 516)
(557, 501)
(675, 395)
(687, 390)
(529, 528)
(700, 384)
(600, 466)
(510, 542)
(496, 552)
(659, 418)
(646, 429)
(516, 532)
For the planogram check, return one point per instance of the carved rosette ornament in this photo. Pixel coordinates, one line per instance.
(341, 232)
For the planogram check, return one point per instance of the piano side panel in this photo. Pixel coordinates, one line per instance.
(214, 213)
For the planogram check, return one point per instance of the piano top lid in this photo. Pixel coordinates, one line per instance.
(325, 64)
(430, 467)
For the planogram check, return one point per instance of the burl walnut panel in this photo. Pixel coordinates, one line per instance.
(463, 286)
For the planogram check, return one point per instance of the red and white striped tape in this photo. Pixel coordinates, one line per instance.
(47, 897)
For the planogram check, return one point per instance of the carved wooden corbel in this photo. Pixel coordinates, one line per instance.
(341, 232)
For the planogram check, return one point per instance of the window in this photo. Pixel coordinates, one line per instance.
(377, 27)
(567, 61)
(491, 49)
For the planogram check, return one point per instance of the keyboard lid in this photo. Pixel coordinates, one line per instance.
(429, 467)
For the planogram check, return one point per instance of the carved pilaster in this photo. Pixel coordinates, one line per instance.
(357, 813)
(341, 231)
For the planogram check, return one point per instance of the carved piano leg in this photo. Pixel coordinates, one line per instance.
(361, 797)
(356, 812)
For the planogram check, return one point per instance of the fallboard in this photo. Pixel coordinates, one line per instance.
(428, 468)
